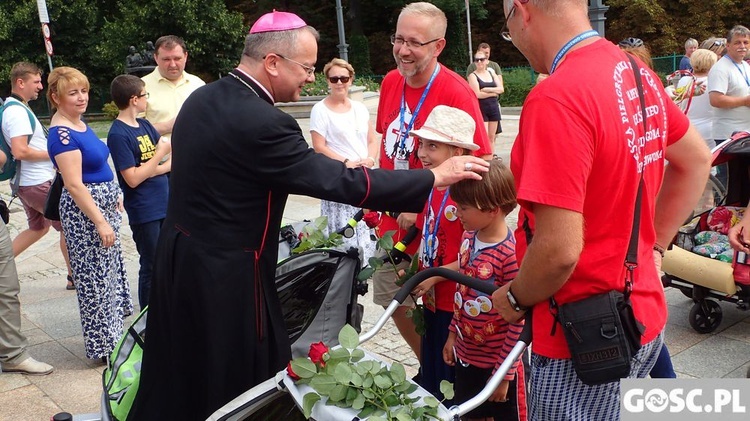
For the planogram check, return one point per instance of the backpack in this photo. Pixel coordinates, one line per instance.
(122, 375)
(10, 169)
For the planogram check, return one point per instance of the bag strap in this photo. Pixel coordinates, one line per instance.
(631, 257)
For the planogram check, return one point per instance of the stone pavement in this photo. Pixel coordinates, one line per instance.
(52, 324)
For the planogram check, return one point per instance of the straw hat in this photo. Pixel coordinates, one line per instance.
(450, 126)
(277, 21)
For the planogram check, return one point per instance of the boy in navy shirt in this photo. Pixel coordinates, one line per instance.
(137, 152)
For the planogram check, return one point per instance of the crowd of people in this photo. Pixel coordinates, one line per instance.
(207, 268)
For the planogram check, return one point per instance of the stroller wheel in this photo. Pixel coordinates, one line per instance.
(705, 316)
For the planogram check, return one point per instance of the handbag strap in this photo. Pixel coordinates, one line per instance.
(631, 257)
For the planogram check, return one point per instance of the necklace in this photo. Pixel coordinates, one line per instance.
(244, 83)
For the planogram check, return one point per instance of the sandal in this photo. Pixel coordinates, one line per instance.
(71, 285)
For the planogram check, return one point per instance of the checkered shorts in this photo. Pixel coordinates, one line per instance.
(557, 393)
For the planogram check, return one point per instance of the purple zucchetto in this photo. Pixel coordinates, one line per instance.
(277, 21)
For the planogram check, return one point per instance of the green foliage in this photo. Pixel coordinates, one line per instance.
(110, 110)
(359, 54)
(518, 83)
(377, 391)
(313, 236)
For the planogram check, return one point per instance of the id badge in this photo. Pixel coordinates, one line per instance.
(401, 164)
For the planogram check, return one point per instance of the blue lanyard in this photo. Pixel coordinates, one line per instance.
(427, 235)
(739, 68)
(405, 134)
(564, 50)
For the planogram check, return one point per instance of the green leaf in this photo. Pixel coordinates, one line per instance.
(382, 381)
(386, 242)
(338, 393)
(348, 337)
(431, 401)
(351, 394)
(357, 354)
(343, 373)
(398, 373)
(323, 383)
(356, 380)
(446, 388)
(366, 273)
(412, 388)
(392, 400)
(366, 412)
(304, 368)
(418, 412)
(308, 402)
(401, 416)
(368, 382)
(369, 394)
(403, 387)
(376, 418)
(359, 403)
(338, 353)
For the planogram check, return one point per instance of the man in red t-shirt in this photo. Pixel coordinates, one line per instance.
(421, 83)
(577, 162)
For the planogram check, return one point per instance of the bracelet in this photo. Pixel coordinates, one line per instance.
(372, 159)
(660, 249)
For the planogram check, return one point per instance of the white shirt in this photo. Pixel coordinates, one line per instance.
(16, 123)
(701, 112)
(729, 78)
(345, 133)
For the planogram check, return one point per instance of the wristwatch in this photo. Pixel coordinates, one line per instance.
(514, 303)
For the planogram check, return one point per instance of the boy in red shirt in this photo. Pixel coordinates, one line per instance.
(447, 132)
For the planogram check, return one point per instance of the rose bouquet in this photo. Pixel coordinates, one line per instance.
(344, 377)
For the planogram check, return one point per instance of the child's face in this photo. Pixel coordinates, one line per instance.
(433, 153)
(472, 218)
(141, 101)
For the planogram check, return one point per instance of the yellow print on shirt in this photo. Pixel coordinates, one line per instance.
(146, 146)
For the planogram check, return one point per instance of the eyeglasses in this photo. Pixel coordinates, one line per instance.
(479, 59)
(412, 45)
(310, 70)
(337, 79)
(505, 33)
(142, 95)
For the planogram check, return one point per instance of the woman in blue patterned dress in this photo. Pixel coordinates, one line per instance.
(90, 213)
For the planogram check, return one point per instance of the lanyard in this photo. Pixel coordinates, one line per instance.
(430, 237)
(564, 50)
(739, 68)
(405, 134)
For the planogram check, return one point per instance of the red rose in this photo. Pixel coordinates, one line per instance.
(372, 219)
(291, 372)
(316, 353)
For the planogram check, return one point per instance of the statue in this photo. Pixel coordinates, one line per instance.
(133, 59)
(148, 54)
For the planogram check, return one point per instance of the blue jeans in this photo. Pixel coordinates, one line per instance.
(663, 368)
(145, 236)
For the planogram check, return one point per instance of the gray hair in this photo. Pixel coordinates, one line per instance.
(691, 42)
(738, 30)
(260, 44)
(429, 11)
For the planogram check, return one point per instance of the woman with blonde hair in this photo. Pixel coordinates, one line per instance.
(341, 130)
(700, 113)
(90, 213)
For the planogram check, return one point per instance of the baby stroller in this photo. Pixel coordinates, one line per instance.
(318, 290)
(280, 398)
(699, 262)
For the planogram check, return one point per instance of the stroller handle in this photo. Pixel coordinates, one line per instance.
(486, 287)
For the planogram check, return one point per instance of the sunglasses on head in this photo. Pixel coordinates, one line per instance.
(478, 59)
(336, 79)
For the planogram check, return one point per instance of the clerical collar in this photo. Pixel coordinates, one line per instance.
(255, 81)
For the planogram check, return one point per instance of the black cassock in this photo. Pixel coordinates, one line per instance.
(215, 327)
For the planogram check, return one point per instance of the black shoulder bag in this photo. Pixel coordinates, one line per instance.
(602, 332)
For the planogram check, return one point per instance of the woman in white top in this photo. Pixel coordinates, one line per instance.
(700, 112)
(341, 130)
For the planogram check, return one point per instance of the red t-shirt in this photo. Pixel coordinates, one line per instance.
(448, 88)
(577, 149)
(439, 246)
(484, 338)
